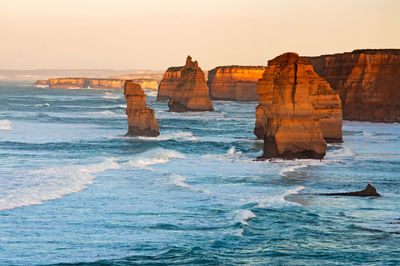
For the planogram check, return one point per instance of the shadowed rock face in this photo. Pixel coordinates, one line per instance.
(191, 92)
(141, 119)
(325, 101)
(235, 83)
(169, 83)
(368, 82)
(291, 129)
(369, 191)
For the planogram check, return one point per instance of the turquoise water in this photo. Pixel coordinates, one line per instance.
(74, 191)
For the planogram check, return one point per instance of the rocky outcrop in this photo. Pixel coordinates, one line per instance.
(235, 83)
(290, 127)
(67, 83)
(106, 84)
(141, 119)
(368, 82)
(191, 92)
(369, 191)
(42, 83)
(325, 101)
(93, 83)
(169, 83)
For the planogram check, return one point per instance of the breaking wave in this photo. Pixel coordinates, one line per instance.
(154, 156)
(38, 186)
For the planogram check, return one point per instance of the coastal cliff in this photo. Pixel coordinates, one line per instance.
(93, 83)
(43, 83)
(191, 92)
(169, 83)
(291, 127)
(141, 119)
(368, 82)
(236, 83)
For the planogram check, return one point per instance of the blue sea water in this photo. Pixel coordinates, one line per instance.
(73, 190)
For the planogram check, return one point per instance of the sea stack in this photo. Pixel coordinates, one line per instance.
(368, 82)
(191, 92)
(234, 83)
(141, 119)
(291, 127)
(169, 83)
(325, 101)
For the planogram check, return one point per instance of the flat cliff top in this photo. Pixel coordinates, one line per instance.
(238, 66)
(364, 51)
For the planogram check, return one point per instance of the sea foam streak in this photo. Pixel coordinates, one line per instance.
(177, 135)
(38, 186)
(242, 216)
(5, 125)
(179, 181)
(154, 156)
(42, 104)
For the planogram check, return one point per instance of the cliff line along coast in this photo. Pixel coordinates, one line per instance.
(94, 83)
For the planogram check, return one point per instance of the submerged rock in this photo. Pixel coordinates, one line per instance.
(369, 191)
(235, 83)
(368, 82)
(141, 119)
(285, 113)
(191, 92)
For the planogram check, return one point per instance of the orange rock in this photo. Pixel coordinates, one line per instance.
(169, 83)
(141, 119)
(285, 109)
(67, 83)
(237, 83)
(325, 101)
(191, 92)
(368, 82)
(41, 83)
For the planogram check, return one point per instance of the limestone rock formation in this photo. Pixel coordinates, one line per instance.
(236, 83)
(368, 191)
(291, 127)
(191, 93)
(141, 119)
(41, 83)
(325, 101)
(368, 82)
(93, 83)
(169, 83)
(67, 83)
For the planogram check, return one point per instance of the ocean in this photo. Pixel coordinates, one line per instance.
(73, 190)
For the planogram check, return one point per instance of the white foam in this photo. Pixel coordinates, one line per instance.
(367, 134)
(298, 164)
(343, 152)
(275, 200)
(42, 104)
(109, 95)
(231, 151)
(154, 156)
(152, 93)
(5, 125)
(242, 216)
(179, 181)
(38, 186)
(173, 135)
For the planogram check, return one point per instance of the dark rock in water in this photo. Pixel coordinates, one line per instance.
(369, 191)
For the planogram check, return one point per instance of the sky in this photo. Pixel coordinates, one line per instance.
(156, 34)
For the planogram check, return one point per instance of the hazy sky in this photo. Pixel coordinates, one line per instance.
(155, 34)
